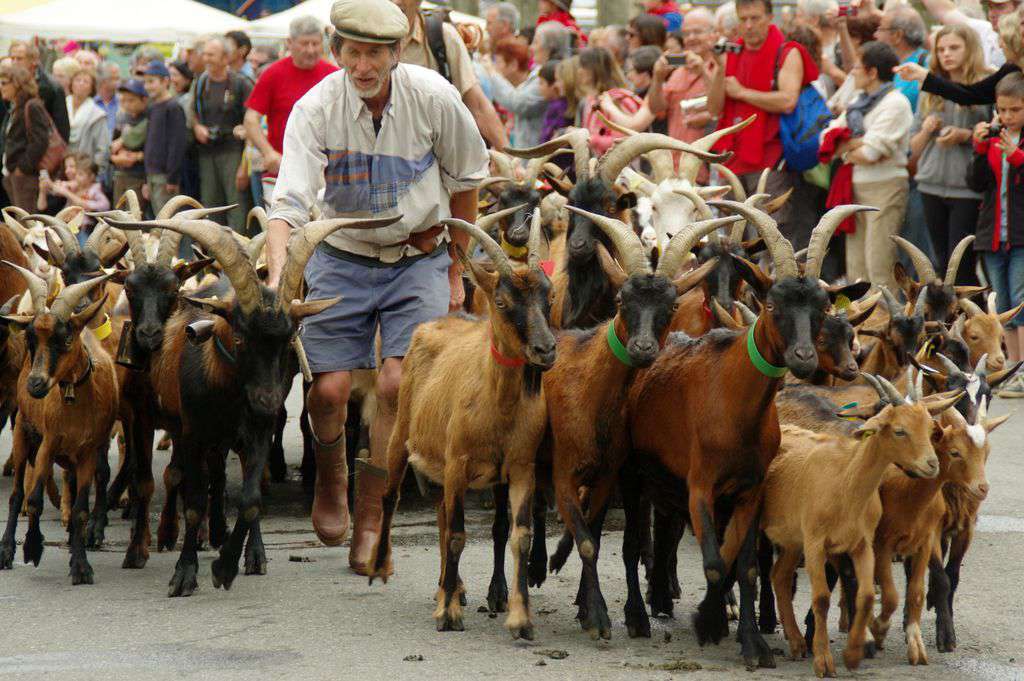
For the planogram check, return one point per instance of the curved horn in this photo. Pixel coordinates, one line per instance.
(970, 307)
(738, 192)
(914, 384)
(259, 216)
(301, 245)
(697, 200)
(873, 382)
(577, 138)
(131, 200)
(56, 251)
(170, 240)
(503, 162)
(67, 239)
(679, 246)
(533, 243)
(627, 243)
(501, 262)
(494, 179)
(67, 300)
(627, 149)
(822, 234)
(486, 222)
(746, 313)
(779, 248)
(135, 244)
(894, 395)
(96, 238)
(981, 368)
(20, 231)
(947, 364)
(689, 166)
(38, 289)
(891, 304)
(924, 267)
(255, 247)
(536, 166)
(217, 241)
(990, 303)
(662, 163)
(955, 258)
(175, 204)
(919, 305)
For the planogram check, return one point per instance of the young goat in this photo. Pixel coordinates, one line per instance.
(69, 426)
(471, 415)
(941, 295)
(821, 500)
(898, 340)
(982, 331)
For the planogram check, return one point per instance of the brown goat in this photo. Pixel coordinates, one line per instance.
(940, 294)
(470, 415)
(982, 331)
(69, 426)
(821, 499)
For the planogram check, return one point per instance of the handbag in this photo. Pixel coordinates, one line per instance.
(56, 147)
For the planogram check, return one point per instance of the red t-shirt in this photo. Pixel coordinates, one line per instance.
(277, 90)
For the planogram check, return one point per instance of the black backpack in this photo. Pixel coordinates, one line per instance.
(434, 21)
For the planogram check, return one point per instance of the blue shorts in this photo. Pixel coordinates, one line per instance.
(397, 299)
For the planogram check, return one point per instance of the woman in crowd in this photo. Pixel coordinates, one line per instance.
(566, 75)
(516, 88)
(940, 146)
(63, 71)
(89, 132)
(26, 135)
(600, 75)
(646, 29)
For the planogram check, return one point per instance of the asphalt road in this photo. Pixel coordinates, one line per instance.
(315, 620)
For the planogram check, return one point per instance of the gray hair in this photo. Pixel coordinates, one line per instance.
(554, 39)
(106, 71)
(305, 25)
(816, 9)
(907, 21)
(701, 13)
(726, 17)
(508, 13)
(220, 40)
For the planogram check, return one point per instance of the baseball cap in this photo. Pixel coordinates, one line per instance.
(134, 86)
(157, 68)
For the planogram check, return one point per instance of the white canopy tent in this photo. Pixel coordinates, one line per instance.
(276, 25)
(127, 21)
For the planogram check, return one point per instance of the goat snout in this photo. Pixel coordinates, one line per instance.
(38, 386)
(149, 335)
(980, 491)
(542, 353)
(264, 400)
(929, 468)
(995, 362)
(518, 234)
(642, 351)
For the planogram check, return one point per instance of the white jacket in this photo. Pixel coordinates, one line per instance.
(886, 139)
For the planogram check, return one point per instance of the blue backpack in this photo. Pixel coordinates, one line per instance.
(800, 129)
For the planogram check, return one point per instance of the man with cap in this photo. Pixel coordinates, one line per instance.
(416, 49)
(165, 137)
(378, 138)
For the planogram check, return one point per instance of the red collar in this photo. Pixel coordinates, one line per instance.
(510, 362)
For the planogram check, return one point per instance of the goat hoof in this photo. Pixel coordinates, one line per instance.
(536, 571)
(561, 554)
(255, 561)
(637, 623)
(449, 622)
(797, 648)
(135, 558)
(217, 531)
(852, 657)
(710, 621)
(767, 622)
(595, 620)
(95, 531)
(871, 650)
(167, 535)
(825, 665)
(184, 582)
(81, 571)
(497, 598)
(7, 556)
(756, 652)
(223, 573)
(32, 550)
(524, 632)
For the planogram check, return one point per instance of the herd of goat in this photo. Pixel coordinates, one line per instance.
(780, 418)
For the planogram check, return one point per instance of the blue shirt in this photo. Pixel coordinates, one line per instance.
(110, 108)
(911, 88)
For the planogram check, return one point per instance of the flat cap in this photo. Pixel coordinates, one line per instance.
(369, 21)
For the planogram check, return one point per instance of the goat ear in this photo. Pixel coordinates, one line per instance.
(753, 275)
(862, 413)
(969, 291)
(80, 320)
(864, 432)
(993, 423)
(724, 318)
(42, 253)
(111, 252)
(21, 321)
(611, 267)
(119, 276)
(861, 315)
(308, 308)
(854, 291)
(626, 201)
(186, 270)
(221, 308)
(903, 280)
(1004, 317)
(694, 277)
(485, 280)
(753, 246)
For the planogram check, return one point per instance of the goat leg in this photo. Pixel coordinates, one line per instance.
(638, 515)
(139, 455)
(18, 456)
(42, 469)
(96, 529)
(814, 563)
(225, 568)
(521, 489)
(782, 575)
(398, 462)
(767, 619)
(666, 544)
(938, 588)
(255, 551)
(756, 652)
(278, 466)
(710, 621)
(217, 517)
(497, 592)
(831, 579)
(167, 530)
(864, 566)
(448, 614)
(538, 567)
(914, 604)
(85, 472)
(194, 489)
(307, 468)
(890, 596)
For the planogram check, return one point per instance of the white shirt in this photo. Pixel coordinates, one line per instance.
(428, 149)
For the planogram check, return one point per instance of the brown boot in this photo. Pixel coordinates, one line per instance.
(369, 510)
(330, 495)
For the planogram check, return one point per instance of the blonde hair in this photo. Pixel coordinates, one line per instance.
(974, 67)
(1009, 34)
(68, 67)
(566, 75)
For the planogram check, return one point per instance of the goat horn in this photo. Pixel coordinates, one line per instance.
(873, 382)
(679, 246)
(738, 192)
(169, 240)
(19, 230)
(67, 239)
(301, 245)
(689, 166)
(67, 300)
(919, 305)
(981, 368)
(627, 243)
(822, 234)
(891, 304)
(219, 243)
(131, 200)
(951, 368)
(970, 307)
(38, 289)
(915, 384)
(779, 248)
(535, 166)
(259, 216)
(255, 247)
(496, 179)
(662, 163)
(135, 244)
(56, 251)
(746, 313)
(627, 149)
(97, 236)
(955, 258)
(501, 262)
(533, 243)
(504, 163)
(175, 204)
(697, 200)
(577, 138)
(890, 390)
(990, 302)
(488, 221)
(925, 270)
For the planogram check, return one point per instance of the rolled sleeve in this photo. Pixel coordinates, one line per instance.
(460, 150)
(459, 61)
(302, 166)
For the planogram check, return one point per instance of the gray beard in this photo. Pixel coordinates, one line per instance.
(367, 94)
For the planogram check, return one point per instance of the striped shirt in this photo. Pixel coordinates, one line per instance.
(428, 148)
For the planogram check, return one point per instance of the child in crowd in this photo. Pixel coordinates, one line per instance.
(997, 170)
(81, 189)
(127, 150)
(164, 152)
(555, 116)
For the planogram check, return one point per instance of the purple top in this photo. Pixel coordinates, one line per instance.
(554, 119)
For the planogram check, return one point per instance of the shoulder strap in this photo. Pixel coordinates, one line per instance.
(777, 67)
(434, 28)
(922, 59)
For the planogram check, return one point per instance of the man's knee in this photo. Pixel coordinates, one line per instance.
(329, 393)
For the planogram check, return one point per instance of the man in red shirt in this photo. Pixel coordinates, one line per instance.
(281, 85)
(561, 12)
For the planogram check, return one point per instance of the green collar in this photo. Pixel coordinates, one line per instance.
(616, 346)
(759, 362)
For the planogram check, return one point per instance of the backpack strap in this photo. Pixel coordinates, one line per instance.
(434, 27)
(778, 66)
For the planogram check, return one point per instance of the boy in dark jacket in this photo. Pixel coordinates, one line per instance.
(127, 151)
(165, 137)
(997, 169)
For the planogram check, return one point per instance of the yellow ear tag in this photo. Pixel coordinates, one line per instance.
(842, 303)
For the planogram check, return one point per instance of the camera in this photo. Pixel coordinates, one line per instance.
(676, 59)
(723, 46)
(847, 11)
(994, 130)
(216, 134)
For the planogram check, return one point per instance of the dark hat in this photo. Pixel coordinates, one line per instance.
(134, 86)
(183, 69)
(157, 68)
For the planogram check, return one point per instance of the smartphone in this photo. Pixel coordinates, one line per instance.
(676, 59)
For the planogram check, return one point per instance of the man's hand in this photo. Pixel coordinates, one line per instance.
(662, 69)
(272, 163)
(202, 133)
(733, 88)
(911, 71)
(694, 62)
(458, 291)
